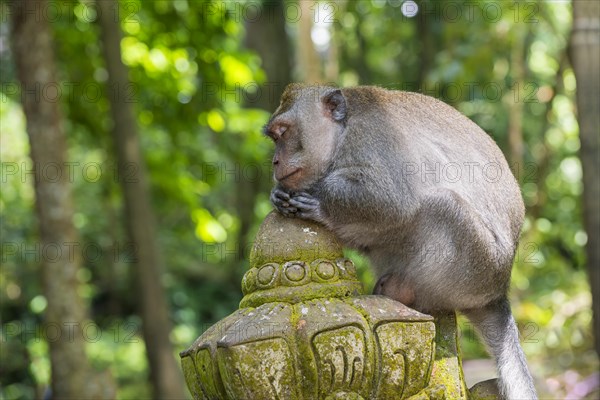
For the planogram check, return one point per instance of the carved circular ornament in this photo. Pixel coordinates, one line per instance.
(325, 270)
(266, 274)
(295, 271)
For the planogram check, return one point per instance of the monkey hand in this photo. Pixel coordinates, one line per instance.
(281, 200)
(297, 205)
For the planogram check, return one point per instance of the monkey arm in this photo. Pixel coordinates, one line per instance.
(364, 195)
(347, 196)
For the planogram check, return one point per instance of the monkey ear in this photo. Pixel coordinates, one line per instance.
(335, 105)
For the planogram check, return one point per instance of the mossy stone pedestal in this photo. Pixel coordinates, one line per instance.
(305, 331)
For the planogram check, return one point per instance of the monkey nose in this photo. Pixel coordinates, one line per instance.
(275, 160)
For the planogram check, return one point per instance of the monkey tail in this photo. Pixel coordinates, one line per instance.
(496, 326)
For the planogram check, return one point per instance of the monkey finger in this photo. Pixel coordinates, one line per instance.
(299, 201)
(282, 205)
(305, 195)
(288, 213)
(280, 194)
(278, 200)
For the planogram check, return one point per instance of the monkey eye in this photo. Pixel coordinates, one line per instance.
(280, 130)
(275, 131)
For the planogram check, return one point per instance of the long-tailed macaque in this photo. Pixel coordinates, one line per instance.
(420, 189)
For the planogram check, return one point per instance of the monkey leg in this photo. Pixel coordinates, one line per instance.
(392, 286)
(457, 262)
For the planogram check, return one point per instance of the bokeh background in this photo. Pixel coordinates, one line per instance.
(153, 243)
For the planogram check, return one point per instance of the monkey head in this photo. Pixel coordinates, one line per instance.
(305, 129)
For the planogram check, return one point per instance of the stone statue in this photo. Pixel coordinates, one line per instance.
(305, 331)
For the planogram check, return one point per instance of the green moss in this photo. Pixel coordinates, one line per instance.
(406, 353)
(258, 370)
(302, 293)
(486, 390)
(191, 377)
(447, 366)
(344, 396)
(304, 331)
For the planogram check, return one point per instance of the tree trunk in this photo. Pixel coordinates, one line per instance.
(165, 374)
(585, 56)
(359, 59)
(308, 58)
(72, 375)
(267, 36)
(332, 63)
(426, 51)
(515, 102)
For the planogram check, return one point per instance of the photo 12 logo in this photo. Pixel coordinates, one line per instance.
(68, 171)
(69, 332)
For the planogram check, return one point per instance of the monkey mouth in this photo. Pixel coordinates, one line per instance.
(294, 172)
